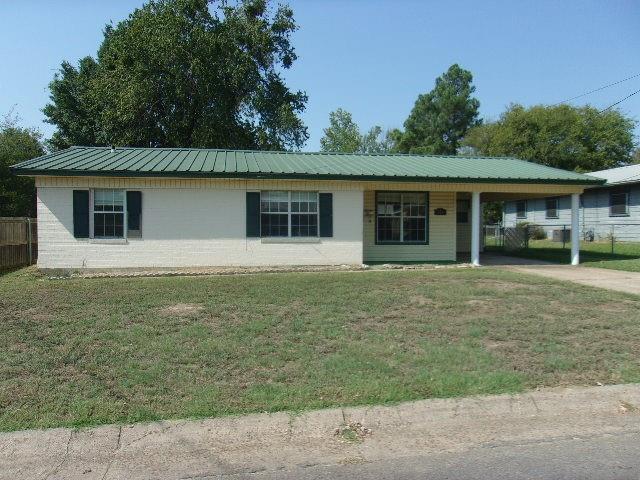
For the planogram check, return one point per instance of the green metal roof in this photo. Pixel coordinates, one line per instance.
(207, 163)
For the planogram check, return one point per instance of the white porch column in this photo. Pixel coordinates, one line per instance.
(575, 228)
(475, 228)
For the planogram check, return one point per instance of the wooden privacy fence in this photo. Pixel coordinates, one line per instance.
(18, 242)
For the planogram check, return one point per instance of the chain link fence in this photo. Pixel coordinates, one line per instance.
(604, 241)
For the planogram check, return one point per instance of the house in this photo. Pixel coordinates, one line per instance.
(169, 207)
(611, 209)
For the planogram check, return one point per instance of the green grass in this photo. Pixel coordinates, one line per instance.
(83, 352)
(626, 255)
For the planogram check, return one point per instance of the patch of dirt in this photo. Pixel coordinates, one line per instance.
(493, 345)
(481, 303)
(622, 306)
(181, 309)
(500, 285)
(421, 300)
(353, 432)
(37, 315)
(626, 407)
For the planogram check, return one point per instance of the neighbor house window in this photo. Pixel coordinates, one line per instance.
(401, 217)
(618, 204)
(289, 214)
(551, 208)
(108, 213)
(521, 209)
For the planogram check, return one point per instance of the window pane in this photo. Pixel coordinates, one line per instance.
(98, 225)
(462, 217)
(389, 204)
(414, 230)
(552, 207)
(619, 203)
(274, 202)
(108, 225)
(462, 211)
(118, 200)
(521, 209)
(304, 201)
(304, 225)
(274, 225)
(413, 204)
(388, 229)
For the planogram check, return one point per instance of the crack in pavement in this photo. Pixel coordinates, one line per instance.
(155, 432)
(113, 454)
(65, 457)
(535, 404)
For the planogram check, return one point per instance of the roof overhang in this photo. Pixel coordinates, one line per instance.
(301, 176)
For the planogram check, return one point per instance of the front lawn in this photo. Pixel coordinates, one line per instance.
(91, 351)
(625, 256)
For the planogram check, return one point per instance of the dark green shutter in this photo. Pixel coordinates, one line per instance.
(326, 214)
(253, 214)
(81, 213)
(134, 209)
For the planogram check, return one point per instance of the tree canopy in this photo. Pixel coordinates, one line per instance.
(183, 73)
(343, 135)
(17, 194)
(563, 136)
(441, 118)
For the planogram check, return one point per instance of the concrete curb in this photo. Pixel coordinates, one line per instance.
(280, 441)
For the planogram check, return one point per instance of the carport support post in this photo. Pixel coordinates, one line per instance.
(575, 226)
(475, 228)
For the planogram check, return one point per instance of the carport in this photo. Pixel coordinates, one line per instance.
(477, 198)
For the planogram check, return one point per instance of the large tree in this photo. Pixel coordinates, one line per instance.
(17, 194)
(185, 73)
(73, 109)
(573, 138)
(441, 118)
(343, 135)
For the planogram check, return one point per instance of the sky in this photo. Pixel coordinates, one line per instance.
(374, 57)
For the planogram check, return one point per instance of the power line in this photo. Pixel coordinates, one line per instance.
(619, 101)
(597, 89)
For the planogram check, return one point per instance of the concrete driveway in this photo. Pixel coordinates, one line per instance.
(628, 282)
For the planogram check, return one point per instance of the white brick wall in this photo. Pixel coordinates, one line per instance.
(183, 227)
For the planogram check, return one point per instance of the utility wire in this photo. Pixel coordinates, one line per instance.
(619, 101)
(597, 89)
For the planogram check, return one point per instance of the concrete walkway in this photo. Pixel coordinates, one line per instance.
(628, 282)
(284, 445)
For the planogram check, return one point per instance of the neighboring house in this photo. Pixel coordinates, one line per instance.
(609, 209)
(163, 207)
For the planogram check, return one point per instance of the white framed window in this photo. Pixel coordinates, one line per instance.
(288, 214)
(521, 209)
(619, 204)
(108, 209)
(401, 217)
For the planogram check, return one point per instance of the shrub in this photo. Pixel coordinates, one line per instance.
(535, 231)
